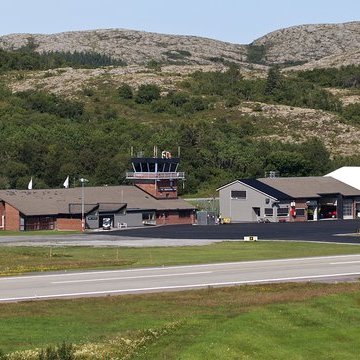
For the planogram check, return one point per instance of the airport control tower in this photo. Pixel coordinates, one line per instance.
(157, 175)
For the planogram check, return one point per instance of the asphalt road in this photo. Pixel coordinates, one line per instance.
(342, 231)
(102, 283)
(327, 230)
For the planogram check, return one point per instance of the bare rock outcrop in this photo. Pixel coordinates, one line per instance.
(309, 42)
(297, 44)
(134, 47)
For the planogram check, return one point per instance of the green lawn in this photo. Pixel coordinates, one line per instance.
(282, 321)
(15, 260)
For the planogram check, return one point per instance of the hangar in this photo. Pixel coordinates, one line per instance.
(288, 199)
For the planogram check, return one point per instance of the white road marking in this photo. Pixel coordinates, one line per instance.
(345, 262)
(131, 277)
(174, 287)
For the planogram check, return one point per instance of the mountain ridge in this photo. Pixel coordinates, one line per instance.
(138, 47)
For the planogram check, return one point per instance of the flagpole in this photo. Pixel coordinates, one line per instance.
(82, 180)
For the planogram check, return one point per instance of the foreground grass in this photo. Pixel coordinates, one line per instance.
(282, 321)
(16, 260)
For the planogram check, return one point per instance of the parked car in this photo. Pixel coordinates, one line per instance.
(106, 225)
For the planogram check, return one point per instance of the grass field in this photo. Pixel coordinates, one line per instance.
(282, 321)
(16, 260)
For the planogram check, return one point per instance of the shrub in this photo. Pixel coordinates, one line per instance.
(178, 99)
(61, 352)
(147, 93)
(352, 113)
(197, 104)
(232, 101)
(160, 106)
(125, 91)
(153, 65)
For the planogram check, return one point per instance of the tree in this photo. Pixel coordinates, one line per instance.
(287, 163)
(273, 80)
(316, 156)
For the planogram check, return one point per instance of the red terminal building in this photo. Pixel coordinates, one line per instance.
(151, 200)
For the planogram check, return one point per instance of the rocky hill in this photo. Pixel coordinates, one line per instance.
(309, 42)
(346, 58)
(134, 47)
(293, 45)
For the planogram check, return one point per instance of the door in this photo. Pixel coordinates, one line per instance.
(256, 213)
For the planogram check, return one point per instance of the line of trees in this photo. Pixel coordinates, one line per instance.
(27, 59)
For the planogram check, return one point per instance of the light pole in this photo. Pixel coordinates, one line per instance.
(83, 181)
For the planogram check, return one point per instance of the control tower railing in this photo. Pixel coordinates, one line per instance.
(155, 175)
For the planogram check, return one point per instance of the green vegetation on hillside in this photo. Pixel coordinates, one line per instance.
(256, 54)
(346, 76)
(50, 137)
(276, 88)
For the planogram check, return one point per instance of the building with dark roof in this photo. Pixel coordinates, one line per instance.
(288, 199)
(152, 200)
(62, 208)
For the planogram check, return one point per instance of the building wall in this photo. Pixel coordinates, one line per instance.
(166, 189)
(153, 188)
(92, 221)
(356, 208)
(301, 211)
(241, 210)
(130, 219)
(12, 218)
(38, 223)
(68, 224)
(2, 214)
(174, 217)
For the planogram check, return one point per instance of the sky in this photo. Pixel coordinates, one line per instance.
(236, 21)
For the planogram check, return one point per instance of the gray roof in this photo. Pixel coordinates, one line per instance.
(101, 207)
(310, 187)
(57, 201)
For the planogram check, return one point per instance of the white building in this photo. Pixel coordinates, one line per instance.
(349, 175)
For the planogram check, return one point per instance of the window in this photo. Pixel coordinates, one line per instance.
(185, 214)
(269, 211)
(347, 208)
(282, 212)
(238, 194)
(148, 216)
(300, 212)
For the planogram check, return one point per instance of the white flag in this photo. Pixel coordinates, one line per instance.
(66, 183)
(30, 184)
